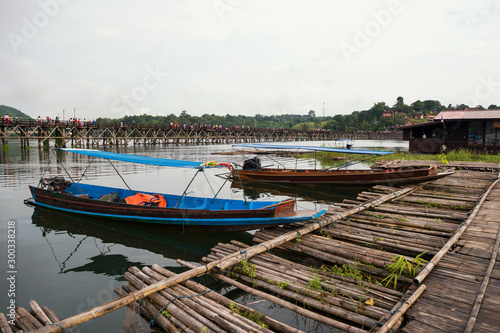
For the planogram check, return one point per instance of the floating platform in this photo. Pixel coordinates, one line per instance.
(336, 270)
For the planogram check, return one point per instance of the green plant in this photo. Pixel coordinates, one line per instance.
(351, 270)
(457, 207)
(429, 204)
(401, 219)
(282, 284)
(233, 307)
(402, 266)
(256, 317)
(166, 314)
(315, 283)
(324, 233)
(247, 268)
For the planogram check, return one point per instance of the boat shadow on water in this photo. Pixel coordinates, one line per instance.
(328, 194)
(169, 242)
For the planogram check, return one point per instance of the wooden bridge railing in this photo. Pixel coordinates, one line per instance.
(96, 134)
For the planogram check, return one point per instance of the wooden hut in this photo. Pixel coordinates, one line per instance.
(454, 129)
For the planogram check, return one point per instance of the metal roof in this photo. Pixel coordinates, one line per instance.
(468, 114)
(425, 124)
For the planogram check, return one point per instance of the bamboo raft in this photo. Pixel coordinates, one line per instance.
(334, 270)
(27, 321)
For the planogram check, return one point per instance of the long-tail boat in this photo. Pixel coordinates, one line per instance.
(149, 207)
(252, 170)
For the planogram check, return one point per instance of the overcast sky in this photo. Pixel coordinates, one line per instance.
(112, 58)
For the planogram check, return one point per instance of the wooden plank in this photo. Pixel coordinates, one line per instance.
(436, 317)
(417, 326)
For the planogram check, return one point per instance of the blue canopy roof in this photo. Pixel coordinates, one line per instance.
(136, 158)
(317, 148)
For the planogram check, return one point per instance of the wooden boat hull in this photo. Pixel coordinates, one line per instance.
(339, 177)
(223, 219)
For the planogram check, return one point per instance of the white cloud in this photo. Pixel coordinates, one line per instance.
(254, 57)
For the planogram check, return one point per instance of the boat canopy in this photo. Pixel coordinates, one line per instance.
(142, 159)
(317, 148)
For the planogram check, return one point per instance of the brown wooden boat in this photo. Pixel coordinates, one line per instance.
(339, 177)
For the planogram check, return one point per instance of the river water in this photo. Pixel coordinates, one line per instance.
(71, 264)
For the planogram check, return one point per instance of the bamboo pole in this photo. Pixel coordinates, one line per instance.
(150, 310)
(339, 260)
(287, 270)
(260, 248)
(4, 324)
(223, 263)
(484, 285)
(23, 323)
(42, 317)
(121, 302)
(51, 314)
(28, 317)
(198, 309)
(279, 301)
(172, 308)
(199, 288)
(298, 280)
(433, 262)
(391, 232)
(432, 213)
(399, 313)
(172, 324)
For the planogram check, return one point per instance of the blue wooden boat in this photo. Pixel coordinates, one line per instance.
(177, 210)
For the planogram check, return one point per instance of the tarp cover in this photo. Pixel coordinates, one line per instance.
(135, 158)
(317, 148)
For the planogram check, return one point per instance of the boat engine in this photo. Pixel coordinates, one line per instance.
(57, 183)
(252, 164)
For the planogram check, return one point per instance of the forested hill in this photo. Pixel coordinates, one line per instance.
(365, 120)
(12, 112)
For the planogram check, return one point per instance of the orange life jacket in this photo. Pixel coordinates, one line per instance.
(142, 199)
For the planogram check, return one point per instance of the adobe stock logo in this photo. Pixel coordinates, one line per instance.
(373, 28)
(223, 7)
(485, 88)
(40, 19)
(128, 102)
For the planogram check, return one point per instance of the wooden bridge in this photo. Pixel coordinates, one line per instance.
(62, 134)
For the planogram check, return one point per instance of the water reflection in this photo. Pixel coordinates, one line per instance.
(67, 260)
(327, 194)
(168, 242)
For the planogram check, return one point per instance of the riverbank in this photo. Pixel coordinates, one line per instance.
(462, 155)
